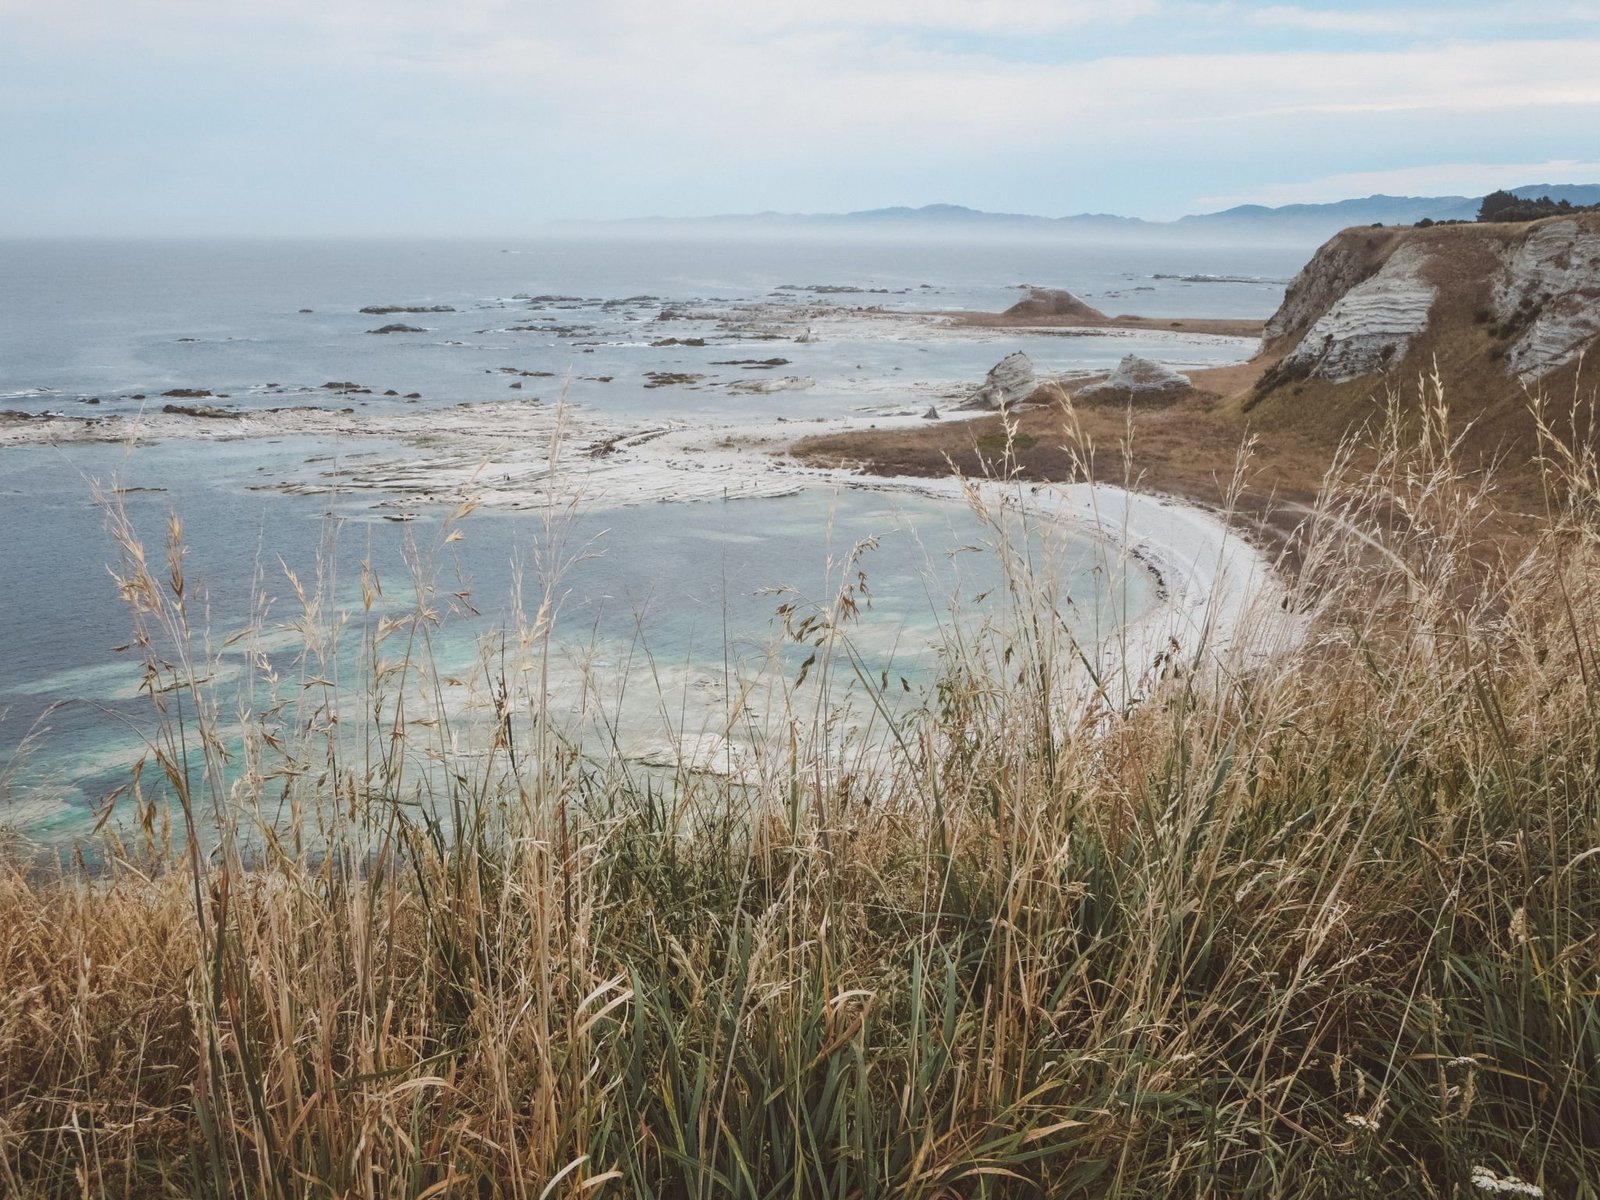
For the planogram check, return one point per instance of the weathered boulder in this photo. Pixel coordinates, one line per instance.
(766, 387)
(1137, 376)
(1008, 382)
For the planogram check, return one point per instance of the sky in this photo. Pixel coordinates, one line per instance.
(489, 117)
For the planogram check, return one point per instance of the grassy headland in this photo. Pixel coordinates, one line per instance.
(1317, 926)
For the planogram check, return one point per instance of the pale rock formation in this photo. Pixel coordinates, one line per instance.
(1009, 381)
(766, 387)
(1554, 276)
(1372, 324)
(1137, 377)
(1332, 271)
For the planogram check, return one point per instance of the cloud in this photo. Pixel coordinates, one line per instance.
(1321, 20)
(699, 106)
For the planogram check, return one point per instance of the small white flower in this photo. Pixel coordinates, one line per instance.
(1487, 1181)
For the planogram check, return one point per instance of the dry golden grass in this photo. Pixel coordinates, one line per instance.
(1319, 926)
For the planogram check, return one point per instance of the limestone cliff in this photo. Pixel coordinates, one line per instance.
(1372, 324)
(1371, 299)
(1550, 287)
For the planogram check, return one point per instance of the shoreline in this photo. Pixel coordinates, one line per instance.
(533, 453)
(519, 455)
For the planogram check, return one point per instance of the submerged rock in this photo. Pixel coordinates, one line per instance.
(1009, 381)
(766, 387)
(398, 328)
(384, 310)
(657, 379)
(1139, 377)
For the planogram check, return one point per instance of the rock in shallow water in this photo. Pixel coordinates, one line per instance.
(1008, 382)
(1138, 377)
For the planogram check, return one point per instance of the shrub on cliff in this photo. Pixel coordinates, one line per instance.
(1507, 206)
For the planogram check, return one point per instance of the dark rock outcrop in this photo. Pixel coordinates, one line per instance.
(1054, 303)
(208, 411)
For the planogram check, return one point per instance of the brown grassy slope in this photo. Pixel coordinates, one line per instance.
(1464, 345)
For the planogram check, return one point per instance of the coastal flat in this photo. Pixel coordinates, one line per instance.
(1210, 326)
(1190, 448)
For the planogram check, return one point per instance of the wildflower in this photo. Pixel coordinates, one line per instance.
(1486, 1180)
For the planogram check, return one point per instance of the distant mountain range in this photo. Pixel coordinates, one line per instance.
(1289, 222)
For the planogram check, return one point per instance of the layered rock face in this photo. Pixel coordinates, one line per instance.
(1553, 277)
(1137, 377)
(1336, 268)
(1366, 297)
(1372, 324)
(1008, 382)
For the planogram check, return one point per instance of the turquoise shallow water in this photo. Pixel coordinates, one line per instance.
(676, 594)
(691, 586)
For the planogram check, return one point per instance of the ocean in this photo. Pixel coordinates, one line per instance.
(662, 603)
